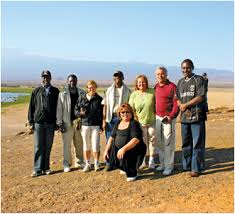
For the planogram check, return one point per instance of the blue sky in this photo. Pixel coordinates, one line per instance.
(150, 32)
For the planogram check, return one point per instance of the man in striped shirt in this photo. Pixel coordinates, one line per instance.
(190, 94)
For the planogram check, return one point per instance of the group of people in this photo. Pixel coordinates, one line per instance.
(139, 126)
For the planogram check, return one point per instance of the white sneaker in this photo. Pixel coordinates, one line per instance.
(48, 172)
(79, 165)
(122, 172)
(167, 171)
(151, 166)
(86, 168)
(131, 179)
(160, 168)
(67, 169)
(97, 167)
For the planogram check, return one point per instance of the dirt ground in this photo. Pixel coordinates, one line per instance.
(101, 191)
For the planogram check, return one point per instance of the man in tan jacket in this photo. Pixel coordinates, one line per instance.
(65, 117)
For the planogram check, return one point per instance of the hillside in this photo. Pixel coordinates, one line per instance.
(24, 68)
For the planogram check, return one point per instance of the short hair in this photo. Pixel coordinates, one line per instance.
(91, 82)
(145, 79)
(123, 107)
(73, 76)
(163, 69)
(189, 61)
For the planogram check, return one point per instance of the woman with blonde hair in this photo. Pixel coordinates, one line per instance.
(142, 100)
(90, 110)
(125, 149)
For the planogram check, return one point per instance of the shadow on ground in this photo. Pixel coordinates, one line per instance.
(216, 160)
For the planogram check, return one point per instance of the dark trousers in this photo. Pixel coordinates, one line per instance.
(193, 145)
(44, 135)
(131, 160)
(109, 129)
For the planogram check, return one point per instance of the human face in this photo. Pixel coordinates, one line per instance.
(46, 80)
(117, 81)
(91, 89)
(187, 69)
(141, 84)
(72, 82)
(161, 76)
(125, 115)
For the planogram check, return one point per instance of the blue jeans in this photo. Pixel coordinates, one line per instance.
(109, 128)
(193, 145)
(44, 135)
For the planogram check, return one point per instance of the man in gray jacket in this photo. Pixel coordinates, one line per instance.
(65, 117)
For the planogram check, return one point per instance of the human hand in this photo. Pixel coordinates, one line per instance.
(106, 155)
(104, 125)
(183, 107)
(62, 128)
(120, 153)
(166, 119)
(83, 111)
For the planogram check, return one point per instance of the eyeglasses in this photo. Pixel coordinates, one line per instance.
(125, 112)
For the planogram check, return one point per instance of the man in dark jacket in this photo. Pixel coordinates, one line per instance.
(42, 118)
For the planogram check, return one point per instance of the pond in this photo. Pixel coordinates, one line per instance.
(11, 97)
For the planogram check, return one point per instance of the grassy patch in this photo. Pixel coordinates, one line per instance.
(20, 100)
(17, 89)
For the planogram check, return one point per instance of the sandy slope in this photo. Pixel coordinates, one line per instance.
(109, 192)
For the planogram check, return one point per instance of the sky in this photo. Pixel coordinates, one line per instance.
(148, 32)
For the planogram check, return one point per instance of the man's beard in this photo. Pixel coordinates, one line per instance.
(73, 89)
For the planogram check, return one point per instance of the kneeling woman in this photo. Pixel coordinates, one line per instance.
(125, 148)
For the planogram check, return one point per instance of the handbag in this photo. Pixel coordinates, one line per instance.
(77, 123)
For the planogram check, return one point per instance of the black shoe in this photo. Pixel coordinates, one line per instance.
(107, 168)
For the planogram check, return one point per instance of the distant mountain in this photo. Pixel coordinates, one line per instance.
(18, 66)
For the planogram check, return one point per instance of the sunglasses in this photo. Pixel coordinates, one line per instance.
(125, 112)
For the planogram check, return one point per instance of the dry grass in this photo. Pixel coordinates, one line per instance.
(221, 98)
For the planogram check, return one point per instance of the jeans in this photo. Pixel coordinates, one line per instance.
(109, 128)
(44, 135)
(193, 145)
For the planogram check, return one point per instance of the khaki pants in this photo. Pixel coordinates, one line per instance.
(72, 135)
(149, 135)
(165, 134)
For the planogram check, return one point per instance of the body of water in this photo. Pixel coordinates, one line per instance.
(11, 97)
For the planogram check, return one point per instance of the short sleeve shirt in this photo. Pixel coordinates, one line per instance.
(187, 89)
(122, 137)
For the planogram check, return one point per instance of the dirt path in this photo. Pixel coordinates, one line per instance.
(108, 191)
